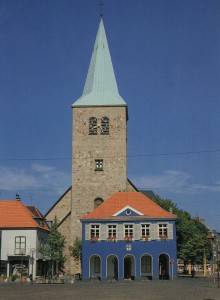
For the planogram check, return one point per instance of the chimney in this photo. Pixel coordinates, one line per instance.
(18, 197)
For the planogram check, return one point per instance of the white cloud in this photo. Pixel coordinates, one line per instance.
(42, 168)
(52, 177)
(16, 178)
(168, 178)
(38, 176)
(173, 181)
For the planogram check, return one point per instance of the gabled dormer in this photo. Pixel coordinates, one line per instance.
(128, 211)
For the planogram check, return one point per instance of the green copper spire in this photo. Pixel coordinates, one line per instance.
(101, 87)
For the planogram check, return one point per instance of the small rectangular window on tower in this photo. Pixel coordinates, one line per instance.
(99, 165)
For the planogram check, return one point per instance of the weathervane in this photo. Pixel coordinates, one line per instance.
(101, 8)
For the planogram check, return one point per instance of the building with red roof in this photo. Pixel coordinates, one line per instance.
(22, 229)
(129, 237)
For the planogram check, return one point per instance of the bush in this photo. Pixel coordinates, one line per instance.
(14, 277)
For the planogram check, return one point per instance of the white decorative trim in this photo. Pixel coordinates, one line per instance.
(125, 208)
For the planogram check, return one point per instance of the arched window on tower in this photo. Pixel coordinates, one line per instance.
(93, 126)
(105, 126)
(97, 202)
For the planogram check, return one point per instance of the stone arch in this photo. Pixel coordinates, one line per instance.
(112, 266)
(95, 266)
(146, 266)
(129, 267)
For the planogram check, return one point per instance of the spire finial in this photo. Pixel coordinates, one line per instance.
(101, 8)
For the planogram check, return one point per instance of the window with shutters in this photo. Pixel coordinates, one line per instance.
(94, 232)
(112, 231)
(163, 232)
(145, 230)
(128, 232)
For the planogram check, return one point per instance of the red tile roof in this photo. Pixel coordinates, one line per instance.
(135, 200)
(14, 214)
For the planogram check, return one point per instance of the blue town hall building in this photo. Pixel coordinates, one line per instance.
(129, 237)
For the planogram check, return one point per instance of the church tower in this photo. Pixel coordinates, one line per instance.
(99, 157)
(99, 148)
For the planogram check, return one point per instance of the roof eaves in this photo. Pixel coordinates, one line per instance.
(126, 219)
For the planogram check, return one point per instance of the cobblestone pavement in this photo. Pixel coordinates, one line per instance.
(177, 289)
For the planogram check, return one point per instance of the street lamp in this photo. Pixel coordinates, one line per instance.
(32, 251)
(22, 253)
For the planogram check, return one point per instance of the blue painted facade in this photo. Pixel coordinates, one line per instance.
(151, 258)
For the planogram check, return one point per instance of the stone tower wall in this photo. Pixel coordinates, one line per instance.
(88, 184)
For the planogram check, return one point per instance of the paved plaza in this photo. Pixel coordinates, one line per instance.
(178, 289)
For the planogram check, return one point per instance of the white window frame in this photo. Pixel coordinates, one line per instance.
(95, 231)
(129, 230)
(110, 231)
(20, 245)
(147, 230)
(163, 230)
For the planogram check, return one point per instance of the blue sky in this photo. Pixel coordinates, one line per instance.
(167, 64)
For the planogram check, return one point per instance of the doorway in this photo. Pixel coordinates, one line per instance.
(112, 267)
(129, 267)
(163, 266)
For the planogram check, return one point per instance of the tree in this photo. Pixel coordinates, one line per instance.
(76, 250)
(192, 242)
(53, 249)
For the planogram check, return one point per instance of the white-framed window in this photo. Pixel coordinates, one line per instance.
(20, 245)
(95, 231)
(163, 230)
(112, 231)
(145, 230)
(128, 230)
(98, 164)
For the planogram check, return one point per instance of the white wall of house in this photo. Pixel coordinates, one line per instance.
(33, 240)
(8, 241)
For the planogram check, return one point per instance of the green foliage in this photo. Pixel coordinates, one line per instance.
(192, 242)
(76, 249)
(53, 249)
(14, 277)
